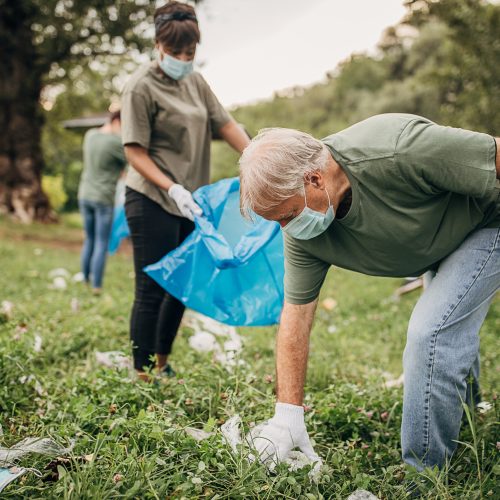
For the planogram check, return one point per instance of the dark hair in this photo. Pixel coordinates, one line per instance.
(176, 25)
(115, 115)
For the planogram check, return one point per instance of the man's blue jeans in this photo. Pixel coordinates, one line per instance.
(97, 223)
(442, 349)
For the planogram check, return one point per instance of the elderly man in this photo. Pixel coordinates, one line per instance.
(394, 195)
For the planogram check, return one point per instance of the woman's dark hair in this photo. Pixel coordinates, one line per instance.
(176, 25)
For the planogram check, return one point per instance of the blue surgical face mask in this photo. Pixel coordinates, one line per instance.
(310, 223)
(175, 68)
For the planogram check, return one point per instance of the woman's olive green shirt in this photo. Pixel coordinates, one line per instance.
(174, 120)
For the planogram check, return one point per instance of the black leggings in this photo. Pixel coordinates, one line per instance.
(156, 315)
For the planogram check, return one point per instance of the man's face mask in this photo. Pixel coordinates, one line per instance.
(175, 68)
(310, 223)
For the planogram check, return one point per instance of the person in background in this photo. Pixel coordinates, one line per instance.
(103, 162)
(169, 116)
(393, 195)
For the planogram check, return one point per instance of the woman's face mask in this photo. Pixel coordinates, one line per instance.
(310, 223)
(175, 68)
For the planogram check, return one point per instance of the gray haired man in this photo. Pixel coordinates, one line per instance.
(393, 195)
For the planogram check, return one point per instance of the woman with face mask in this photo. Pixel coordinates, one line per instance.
(169, 115)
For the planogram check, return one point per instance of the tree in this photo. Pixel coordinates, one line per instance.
(42, 42)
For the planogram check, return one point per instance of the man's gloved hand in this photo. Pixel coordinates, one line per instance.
(280, 434)
(184, 200)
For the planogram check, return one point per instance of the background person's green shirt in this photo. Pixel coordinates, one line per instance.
(418, 190)
(103, 161)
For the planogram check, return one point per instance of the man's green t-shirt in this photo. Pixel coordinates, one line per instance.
(103, 161)
(418, 190)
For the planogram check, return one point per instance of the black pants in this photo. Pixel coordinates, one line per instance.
(156, 315)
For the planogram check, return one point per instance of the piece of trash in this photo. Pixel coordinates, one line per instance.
(7, 308)
(78, 277)
(43, 446)
(362, 495)
(1, 430)
(37, 344)
(412, 284)
(7, 475)
(199, 322)
(204, 339)
(397, 382)
(332, 329)
(75, 305)
(38, 251)
(231, 433)
(484, 406)
(59, 283)
(203, 342)
(329, 304)
(113, 359)
(198, 434)
(59, 272)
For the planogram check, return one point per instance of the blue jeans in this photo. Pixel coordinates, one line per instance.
(97, 223)
(442, 350)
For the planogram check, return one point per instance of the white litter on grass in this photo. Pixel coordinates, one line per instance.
(37, 344)
(75, 305)
(25, 379)
(58, 283)
(43, 446)
(198, 434)
(113, 359)
(7, 308)
(78, 277)
(397, 382)
(203, 342)
(38, 251)
(206, 333)
(7, 475)
(332, 329)
(362, 495)
(484, 406)
(231, 433)
(59, 272)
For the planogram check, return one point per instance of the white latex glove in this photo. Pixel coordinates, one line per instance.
(184, 200)
(282, 433)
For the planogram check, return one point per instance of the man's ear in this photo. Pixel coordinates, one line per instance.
(315, 178)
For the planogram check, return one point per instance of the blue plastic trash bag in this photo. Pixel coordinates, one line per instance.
(228, 268)
(119, 229)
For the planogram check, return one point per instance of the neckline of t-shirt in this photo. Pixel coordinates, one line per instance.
(353, 210)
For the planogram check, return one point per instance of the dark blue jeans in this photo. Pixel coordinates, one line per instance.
(97, 223)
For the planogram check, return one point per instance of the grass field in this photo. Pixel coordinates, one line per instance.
(129, 437)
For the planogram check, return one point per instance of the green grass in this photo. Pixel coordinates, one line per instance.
(136, 430)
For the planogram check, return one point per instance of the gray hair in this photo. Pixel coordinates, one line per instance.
(273, 166)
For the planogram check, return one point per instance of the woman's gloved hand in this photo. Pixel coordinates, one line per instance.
(285, 431)
(184, 200)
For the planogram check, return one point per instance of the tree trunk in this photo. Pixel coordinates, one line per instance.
(21, 159)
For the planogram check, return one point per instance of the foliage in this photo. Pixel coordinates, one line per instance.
(137, 430)
(53, 187)
(441, 61)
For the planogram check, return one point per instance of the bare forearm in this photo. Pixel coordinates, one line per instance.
(234, 135)
(138, 157)
(497, 139)
(292, 351)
